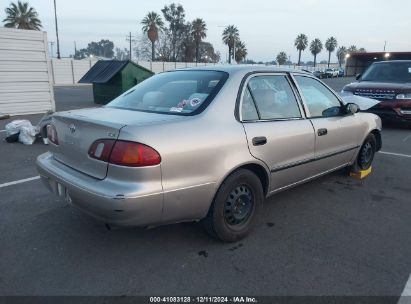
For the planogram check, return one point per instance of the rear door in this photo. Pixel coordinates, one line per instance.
(336, 135)
(277, 132)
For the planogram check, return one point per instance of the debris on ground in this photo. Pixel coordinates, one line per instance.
(4, 116)
(23, 131)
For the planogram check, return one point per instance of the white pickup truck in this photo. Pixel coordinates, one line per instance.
(330, 73)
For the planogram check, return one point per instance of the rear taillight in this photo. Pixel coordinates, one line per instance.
(124, 153)
(101, 149)
(52, 134)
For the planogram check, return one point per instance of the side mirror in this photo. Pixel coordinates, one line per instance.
(351, 108)
(358, 76)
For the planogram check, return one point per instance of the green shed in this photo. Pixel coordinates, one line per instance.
(111, 78)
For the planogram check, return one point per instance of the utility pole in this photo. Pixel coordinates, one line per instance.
(75, 48)
(51, 46)
(130, 40)
(385, 44)
(57, 31)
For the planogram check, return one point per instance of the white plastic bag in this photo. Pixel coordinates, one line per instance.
(15, 126)
(27, 135)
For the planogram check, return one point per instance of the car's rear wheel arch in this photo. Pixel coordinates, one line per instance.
(258, 170)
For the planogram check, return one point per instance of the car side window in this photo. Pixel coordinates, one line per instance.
(320, 101)
(273, 97)
(248, 110)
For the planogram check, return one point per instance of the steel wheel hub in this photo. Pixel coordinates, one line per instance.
(366, 153)
(239, 205)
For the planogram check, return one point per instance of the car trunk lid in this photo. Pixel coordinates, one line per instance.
(78, 130)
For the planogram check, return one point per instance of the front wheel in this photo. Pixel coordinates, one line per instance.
(366, 154)
(235, 207)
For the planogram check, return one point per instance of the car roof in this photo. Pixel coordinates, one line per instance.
(393, 61)
(245, 69)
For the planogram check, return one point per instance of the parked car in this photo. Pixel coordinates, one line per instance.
(319, 74)
(330, 73)
(205, 144)
(341, 72)
(389, 82)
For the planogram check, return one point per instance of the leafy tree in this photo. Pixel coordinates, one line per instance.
(362, 50)
(22, 16)
(230, 37)
(122, 54)
(316, 47)
(330, 45)
(207, 53)
(199, 32)
(174, 14)
(241, 51)
(341, 52)
(103, 48)
(282, 58)
(301, 43)
(188, 48)
(152, 25)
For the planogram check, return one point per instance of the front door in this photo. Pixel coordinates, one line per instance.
(335, 132)
(277, 132)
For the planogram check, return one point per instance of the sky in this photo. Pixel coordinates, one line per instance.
(267, 27)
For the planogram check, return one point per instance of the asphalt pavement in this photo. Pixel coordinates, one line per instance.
(332, 236)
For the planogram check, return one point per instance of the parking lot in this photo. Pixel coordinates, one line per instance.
(333, 236)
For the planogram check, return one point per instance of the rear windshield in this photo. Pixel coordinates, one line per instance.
(177, 92)
(388, 71)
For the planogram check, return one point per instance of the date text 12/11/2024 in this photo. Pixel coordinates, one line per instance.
(203, 299)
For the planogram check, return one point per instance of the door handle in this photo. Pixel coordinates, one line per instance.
(322, 132)
(259, 141)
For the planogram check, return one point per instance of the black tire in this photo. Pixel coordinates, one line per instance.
(236, 207)
(366, 154)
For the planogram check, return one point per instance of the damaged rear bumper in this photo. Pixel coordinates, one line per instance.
(124, 204)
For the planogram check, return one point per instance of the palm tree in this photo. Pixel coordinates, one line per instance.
(152, 25)
(22, 16)
(301, 43)
(230, 37)
(331, 44)
(341, 52)
(241, 52)
(352, 49)
(315, 47)
(282, 58)
(198, 32)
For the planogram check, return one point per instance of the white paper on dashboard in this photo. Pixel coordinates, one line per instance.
(363, 102)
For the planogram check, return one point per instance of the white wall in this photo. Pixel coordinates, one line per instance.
(69, 71)
(25, 73)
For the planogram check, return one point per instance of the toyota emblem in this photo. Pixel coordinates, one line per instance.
(72, 128)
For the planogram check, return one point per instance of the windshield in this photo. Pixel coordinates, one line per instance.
(388, 71)
(178, 92)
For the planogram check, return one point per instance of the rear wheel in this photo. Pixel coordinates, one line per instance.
(235, 207)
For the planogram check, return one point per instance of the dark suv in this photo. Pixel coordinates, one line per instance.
(389, 82)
